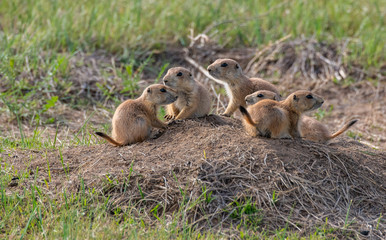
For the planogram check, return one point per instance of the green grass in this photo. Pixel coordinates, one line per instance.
(56, 27)
(33, 212)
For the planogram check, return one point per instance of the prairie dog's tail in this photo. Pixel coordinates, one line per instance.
(344, 128)
(108, 138)
(246, 116)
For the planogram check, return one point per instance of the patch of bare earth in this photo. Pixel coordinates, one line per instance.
(311, 182)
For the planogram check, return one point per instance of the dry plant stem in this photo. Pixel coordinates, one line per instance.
(199, 67)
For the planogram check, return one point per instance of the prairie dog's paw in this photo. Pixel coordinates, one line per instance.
(168, 117)
(174, 121)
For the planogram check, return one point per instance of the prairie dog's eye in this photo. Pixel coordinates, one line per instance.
(179, 74)
(260, 95)
(163, 90)
(237, 66)
(148, 90)
(224, 64)
(309, 96)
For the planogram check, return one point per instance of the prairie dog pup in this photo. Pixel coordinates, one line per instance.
(274, 119)
(238, 86)
(134, 118)
(313, 130)
(310, 128)
(193, 98)
(260, 95)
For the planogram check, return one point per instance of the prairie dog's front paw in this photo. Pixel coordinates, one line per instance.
(168, 117)
(174, 121)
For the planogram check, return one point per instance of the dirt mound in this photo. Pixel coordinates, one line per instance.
(213, 167)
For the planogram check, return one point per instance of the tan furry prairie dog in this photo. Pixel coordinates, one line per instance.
(134, 118)
(229, 73)
(193, 98)
(310, 128)
(260, 95)
(274, 119)
(313, 130)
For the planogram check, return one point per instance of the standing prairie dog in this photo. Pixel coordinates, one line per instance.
(310, 128)
(193, 98)
(134, 118)
(229, 73)
(274, 119)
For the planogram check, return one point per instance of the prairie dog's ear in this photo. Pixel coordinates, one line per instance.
(237, 66)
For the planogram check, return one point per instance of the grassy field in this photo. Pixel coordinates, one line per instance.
(39, 42)
(30, 28)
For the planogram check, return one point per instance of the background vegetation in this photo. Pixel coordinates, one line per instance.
(32, 27)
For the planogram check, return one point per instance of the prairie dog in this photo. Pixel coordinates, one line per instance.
(310, 128)
(134, 118)
(260, 95)
(237, 85)
(274, 119)
(193, 98)
(313, 130)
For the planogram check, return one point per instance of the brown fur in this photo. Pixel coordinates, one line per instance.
(238, 86)
(134, 118)
(260, 95)
(313, 130)
(310, 128)
(193, 98)
(274, 119)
